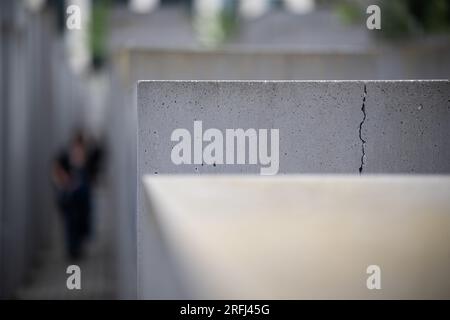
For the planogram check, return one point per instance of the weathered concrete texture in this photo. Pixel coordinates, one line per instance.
(318, 121)
(325, 127)
(310, 141)
(407, 127)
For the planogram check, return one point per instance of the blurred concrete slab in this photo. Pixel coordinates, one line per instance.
(172, 27)
(302, 237)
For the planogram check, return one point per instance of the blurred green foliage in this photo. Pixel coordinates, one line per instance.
(98, 32)
(401, 18)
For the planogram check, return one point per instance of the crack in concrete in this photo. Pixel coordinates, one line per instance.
(363, 142)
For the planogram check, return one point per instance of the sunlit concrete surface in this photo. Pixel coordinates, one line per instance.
(302, 236)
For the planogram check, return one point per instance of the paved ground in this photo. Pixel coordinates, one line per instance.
(48, 281)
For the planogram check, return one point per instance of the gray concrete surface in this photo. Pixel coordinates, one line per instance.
(325, 127)
(420, 60)
(407, 127)
(277, 46)
(246, 64)
(26, 103)
(299, 109)
(41, 103)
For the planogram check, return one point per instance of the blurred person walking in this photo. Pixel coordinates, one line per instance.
(78, 155)
(70, 201)
(73, 173)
